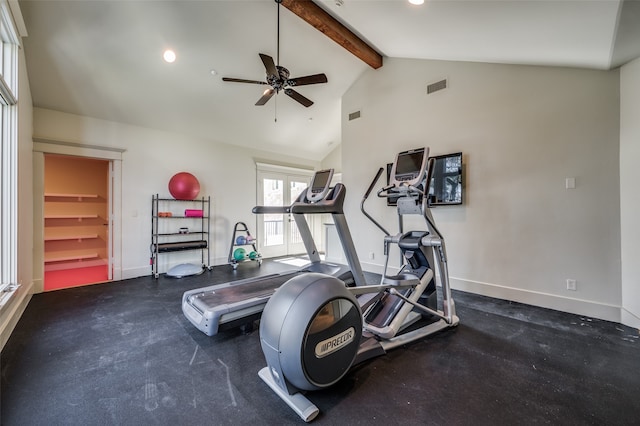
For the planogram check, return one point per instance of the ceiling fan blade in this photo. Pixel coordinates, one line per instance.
(298, 97)
(309, 79)
(269, 65)
(240, 80)
(265, 96)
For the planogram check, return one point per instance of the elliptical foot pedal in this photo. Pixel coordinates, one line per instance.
(298, 402)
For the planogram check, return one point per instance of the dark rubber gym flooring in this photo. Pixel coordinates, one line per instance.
(123, 354)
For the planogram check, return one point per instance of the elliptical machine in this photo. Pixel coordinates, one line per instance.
(314, 328)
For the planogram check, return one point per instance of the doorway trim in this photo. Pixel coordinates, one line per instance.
(42, 146)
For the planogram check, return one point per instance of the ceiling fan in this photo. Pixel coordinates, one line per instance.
(278, 77)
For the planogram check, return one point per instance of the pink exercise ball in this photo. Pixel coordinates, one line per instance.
(184, 186)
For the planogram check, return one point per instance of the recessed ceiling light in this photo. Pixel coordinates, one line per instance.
(169, 56)
(417, 2)
(213, 72)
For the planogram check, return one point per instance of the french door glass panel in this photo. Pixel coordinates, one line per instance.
(278, 233)
(296, 186)
(273, 229)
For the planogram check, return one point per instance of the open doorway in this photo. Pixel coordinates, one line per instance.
(76, 221)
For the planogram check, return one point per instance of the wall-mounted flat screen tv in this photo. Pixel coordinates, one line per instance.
(446, 180)
(446, 186)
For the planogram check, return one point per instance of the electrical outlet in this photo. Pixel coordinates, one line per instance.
(372, 255)
(571, 285)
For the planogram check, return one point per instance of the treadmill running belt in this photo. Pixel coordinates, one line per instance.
(240, 292)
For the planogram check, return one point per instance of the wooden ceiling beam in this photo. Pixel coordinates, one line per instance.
(329, 26)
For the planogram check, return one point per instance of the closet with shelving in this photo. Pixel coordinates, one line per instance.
(76, 224)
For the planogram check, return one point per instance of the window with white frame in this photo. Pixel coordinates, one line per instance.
(9, 44)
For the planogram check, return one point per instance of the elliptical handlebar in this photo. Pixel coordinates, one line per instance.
(373, 183)
(366, 195)
(384, 192)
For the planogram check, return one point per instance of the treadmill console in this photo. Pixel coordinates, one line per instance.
(319, 185)
(409, 167)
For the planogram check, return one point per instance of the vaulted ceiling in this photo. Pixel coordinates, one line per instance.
(103, 59)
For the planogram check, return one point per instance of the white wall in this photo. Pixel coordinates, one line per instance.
(333, 160)
(226, 173)
(520, 234)
(629, 194)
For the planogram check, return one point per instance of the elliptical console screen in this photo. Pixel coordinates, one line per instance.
(409, 167)
(319, 185)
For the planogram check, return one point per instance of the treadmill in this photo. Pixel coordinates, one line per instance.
(236, 303)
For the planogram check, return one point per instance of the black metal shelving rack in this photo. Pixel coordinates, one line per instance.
(173, 241)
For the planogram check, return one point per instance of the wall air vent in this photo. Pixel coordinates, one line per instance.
(354, 115)
(438, 85)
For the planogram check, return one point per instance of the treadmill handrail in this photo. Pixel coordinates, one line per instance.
(333, 203)
(271, 209)
(280, 209)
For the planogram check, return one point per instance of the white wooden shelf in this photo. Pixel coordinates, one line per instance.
(71, 216)
(70, 237)
(67, 257)
(61, 195)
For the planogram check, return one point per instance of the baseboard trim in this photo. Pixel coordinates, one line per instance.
(376, 268)
(12, 313)
(141, 271)
(629, 319)
(544, 300)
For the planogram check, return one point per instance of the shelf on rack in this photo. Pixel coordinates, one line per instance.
(195, 200)
(181, 217)
(177, 234)
(181, 246)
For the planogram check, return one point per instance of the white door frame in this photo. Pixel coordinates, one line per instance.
(43, 146)
(286, 174)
